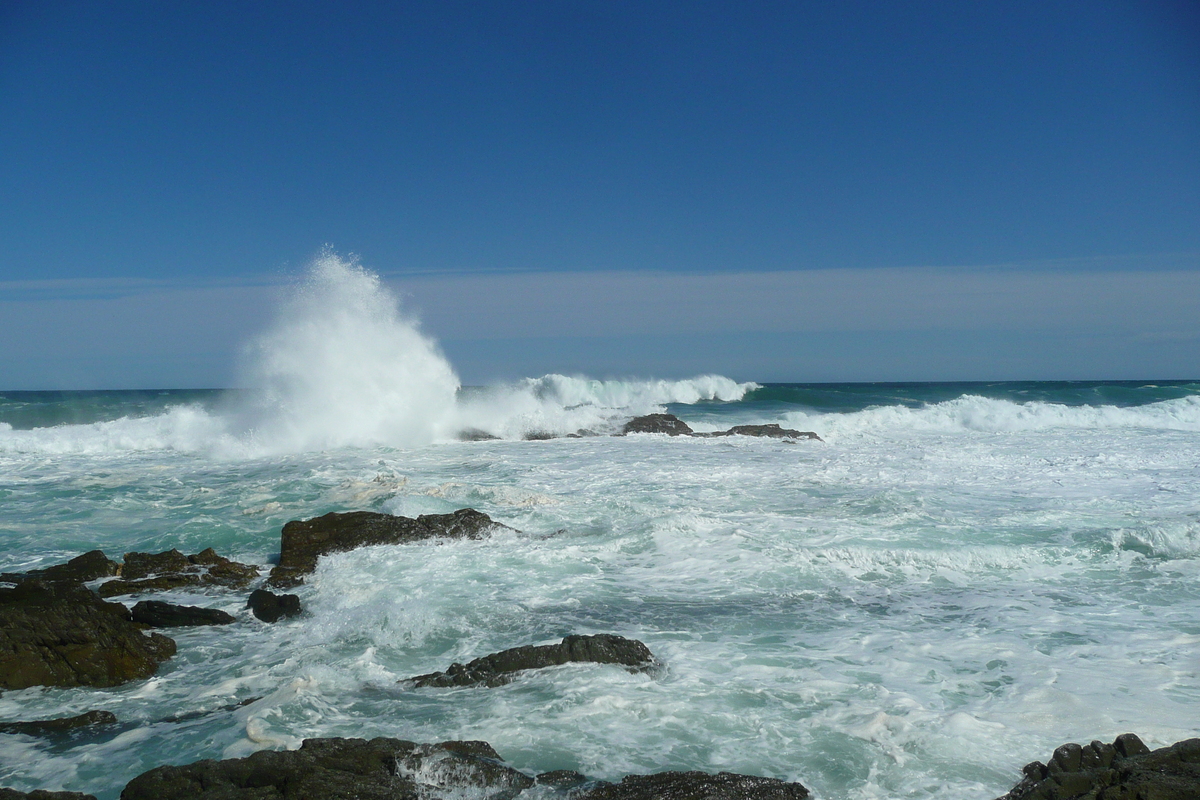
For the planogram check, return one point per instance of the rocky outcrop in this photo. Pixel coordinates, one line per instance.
(148, 572)
(339, 769)
(62, 634)
(55, 727)
(87, 567)
(157, 614)
(13, 794)
(771, 430)
(304, 541)
(1123, 770)
(696, 786)
(500, 668)
(271, 607)
(669, 424)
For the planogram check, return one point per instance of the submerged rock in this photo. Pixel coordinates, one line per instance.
(53, 727)
(158, 614)
(1123, 770)
(304, 541)
(476, 435)
(657, 423)
(87, 567)
(771, 430)
(147, 572)
(271, 607)
(40, 794)
(500, 668)
(64, 635)
(339, 769)
(696, 786)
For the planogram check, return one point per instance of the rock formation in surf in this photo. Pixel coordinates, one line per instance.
(674, 426)
(147, 572)
(62, 725)
(157, 614)
(13, 794)
(304, 541)
(87, 567)
(1123, 770)
(695, 786)
(62, 634)
(271, 607)
(500, 668)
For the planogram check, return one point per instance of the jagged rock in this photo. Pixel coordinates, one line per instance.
(657, 423)
(696, 786)
(771, 430)
(62, 634)
(304, 541)
(475, 435)
(51, 727)
(158, 614)
(271, 607)
(41, 794)
(539, 436)
(87, 567)
(339, 769)
(500, 668)
(1123, 770)
(146, 572)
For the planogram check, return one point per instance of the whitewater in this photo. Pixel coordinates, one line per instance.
(955, 580)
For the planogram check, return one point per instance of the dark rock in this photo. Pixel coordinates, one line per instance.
(87, 567)
(475, 435)
(657, 423)
(62, 634)
(187, 716)
(1123, 770)
(271, 607)
(158, 614)
(771, 430)
(696, 786)
(539, 436)
(41, 794)
(561, 779)
(339, 769)
(304, 541)
(499, 668)
(146, 572)
(52, 727)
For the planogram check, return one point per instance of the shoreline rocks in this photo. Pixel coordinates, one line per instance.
(56, 727)
(147, 572)
(87, 567)
(672, 425)
(304, 541)
(500, 668)
(63, 634)
(157, 614)
(271, 607)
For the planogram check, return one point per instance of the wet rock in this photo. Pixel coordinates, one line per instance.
(62, 634)
(271, 607)
(500, 668)
(147, 572)
(158, 614)
(696, 786)
(187, 716)
(304, 541)
(539, 436)
(657, 423)
(1123, 770)
(87, 567)
(54, 727)
(561, 779)
(771, 430)
(339, 769)
(39, 794)
(475, 435)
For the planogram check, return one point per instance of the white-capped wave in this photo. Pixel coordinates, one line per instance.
(987, 415)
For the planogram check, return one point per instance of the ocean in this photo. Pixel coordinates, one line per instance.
(955, 580)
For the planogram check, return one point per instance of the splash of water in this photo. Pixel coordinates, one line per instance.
(342, 366)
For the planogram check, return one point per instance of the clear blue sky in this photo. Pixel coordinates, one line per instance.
(162, 164)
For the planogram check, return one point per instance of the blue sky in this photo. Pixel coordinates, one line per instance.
(775, 191)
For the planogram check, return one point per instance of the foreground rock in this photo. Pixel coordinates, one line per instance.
(498, 669)
(339, 769)
(696, 786)
(13, 794)
(64, 635)
(87, 567)
(304, 541)
(1123, 770)
(271, 607)
(54, 727)
(158, 614)
(147, 572)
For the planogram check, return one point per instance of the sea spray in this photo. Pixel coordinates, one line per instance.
(342, 366)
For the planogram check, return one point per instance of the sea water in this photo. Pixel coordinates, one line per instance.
(955, 580)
